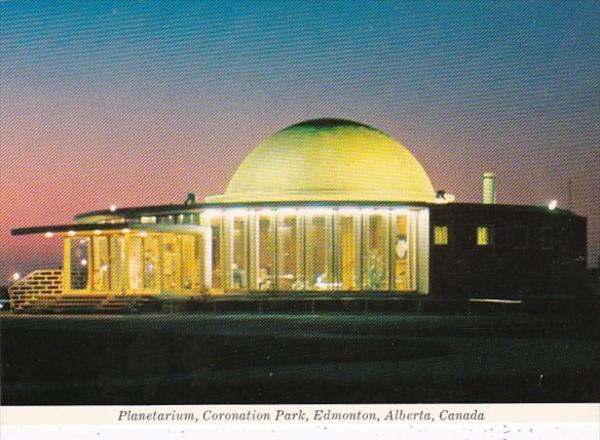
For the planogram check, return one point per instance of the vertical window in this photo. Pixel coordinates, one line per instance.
(521, 236)
(547, 237)
(348, 258)
(401, 253)
(440, 235)
(101, 264)
(136, 263)
(289, 257)
(116, 264)
(150, 263)
(319, 249)
(376, 251)
(238, 250)
(217, 264)
(190, 256)
(483, 237)
(80, 251)
(171, 263)
(264, 241)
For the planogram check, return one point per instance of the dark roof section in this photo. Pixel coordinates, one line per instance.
(150, 210)
(500, 207)
(67, 228)
(175, 209)
(330, 123)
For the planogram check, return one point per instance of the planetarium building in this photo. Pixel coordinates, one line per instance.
(325, 207)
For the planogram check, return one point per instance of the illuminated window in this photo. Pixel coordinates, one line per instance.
(190, 262)
(319, 248)
(217, 263)
(289, 258)
(440, 235)
(80, 251)
(376, 251)
(401, 253)
(483, 236)
(237, 253)
(148, 219)
(348, 256)
(101, 264)
(265, 278)
(171, 262)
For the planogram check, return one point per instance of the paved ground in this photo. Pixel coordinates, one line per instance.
(298, 358)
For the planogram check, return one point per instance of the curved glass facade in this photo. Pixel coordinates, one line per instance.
(315, 249)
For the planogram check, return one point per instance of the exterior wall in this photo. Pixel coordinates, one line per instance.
(530, 251)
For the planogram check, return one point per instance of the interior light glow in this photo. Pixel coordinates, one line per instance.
(318, 211)
(49, 234)
(209, 213)
(71, 233)
(264, 211)
(236, 212)
(348, 210)
(287, 211)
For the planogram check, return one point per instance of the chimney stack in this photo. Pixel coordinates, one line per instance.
(489, 188)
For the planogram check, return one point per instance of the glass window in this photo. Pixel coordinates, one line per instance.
(148, 219)
(348, 256)
(80, 251)
(289, 257)
(116, 265)
(319, 247)
(150, 263)
(440, 235)
(238, 251)
(401, 253)
(483, 236)
(190, 256)
(136, 263)
(217, 268)
(376, 248)
(265, 276)
(101, 264)
(171, 263)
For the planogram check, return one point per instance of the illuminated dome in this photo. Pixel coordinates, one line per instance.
(328, 160)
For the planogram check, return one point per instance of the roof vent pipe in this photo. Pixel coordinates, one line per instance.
(489, 188)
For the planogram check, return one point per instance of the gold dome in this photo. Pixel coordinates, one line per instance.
(328, 160)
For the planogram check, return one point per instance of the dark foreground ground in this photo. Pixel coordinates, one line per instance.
(299, 358)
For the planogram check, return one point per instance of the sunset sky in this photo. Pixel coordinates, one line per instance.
(141, 102)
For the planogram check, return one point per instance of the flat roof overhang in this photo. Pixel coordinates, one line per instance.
(179, 209)
(116, 227)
